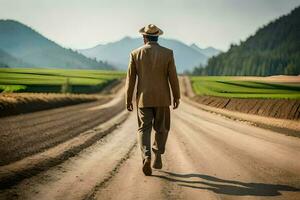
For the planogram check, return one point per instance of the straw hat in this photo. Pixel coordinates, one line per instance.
(151, 29)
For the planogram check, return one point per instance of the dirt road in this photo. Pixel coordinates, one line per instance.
(208, 157)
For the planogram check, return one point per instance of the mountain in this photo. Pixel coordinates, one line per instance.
(24, 43)
(274, 49)
(117, 53)
(208, 52)
(7, 60)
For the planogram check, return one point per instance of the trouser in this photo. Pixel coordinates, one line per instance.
(159, 119)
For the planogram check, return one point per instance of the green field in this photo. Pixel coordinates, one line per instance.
(55, 80)
(229, 87)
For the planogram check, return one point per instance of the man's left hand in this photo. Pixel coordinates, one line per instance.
(129, 107)
(176, 103)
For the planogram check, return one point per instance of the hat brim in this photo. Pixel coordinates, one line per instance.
(159, 32)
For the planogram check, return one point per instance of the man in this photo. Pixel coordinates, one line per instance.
(154, 67)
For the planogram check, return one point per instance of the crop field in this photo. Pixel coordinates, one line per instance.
(232, 87)
(55, 80)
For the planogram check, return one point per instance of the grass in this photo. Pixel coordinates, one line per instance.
(228, 87)
(53, 80)
(12, 88)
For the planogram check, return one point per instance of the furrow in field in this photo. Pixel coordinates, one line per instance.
(62, 126)
(7, 124)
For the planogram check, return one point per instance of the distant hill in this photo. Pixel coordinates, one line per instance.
(274, 49)
(24, 43)
(117, 53)
(208, 52)
(7, 60)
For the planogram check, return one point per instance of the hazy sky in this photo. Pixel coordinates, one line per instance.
(86, 23)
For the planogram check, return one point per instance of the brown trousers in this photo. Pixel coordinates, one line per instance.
(159, 119)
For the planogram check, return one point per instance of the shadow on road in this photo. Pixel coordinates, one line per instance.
(228, 187)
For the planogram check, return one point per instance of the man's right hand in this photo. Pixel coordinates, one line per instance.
(176, 103)
(129, 107)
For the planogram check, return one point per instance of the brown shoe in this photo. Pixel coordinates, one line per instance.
(157, 164)
(147, 167)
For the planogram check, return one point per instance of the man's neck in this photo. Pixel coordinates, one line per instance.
(152, 42)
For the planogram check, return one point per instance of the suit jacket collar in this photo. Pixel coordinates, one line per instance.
(152, 43)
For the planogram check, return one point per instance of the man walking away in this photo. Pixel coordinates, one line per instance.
(154, 68)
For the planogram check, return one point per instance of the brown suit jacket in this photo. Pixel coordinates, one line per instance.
(154, 67)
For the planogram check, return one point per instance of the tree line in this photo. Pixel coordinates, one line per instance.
(274, 49)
